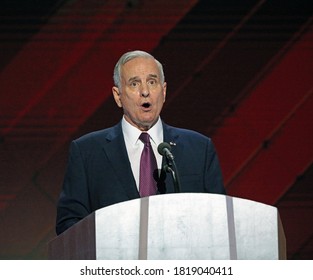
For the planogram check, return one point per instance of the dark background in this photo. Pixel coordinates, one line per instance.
(237, 71)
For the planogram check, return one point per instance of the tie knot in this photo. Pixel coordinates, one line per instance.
(145, 138)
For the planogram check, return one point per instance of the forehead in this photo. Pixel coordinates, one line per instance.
(139, 67)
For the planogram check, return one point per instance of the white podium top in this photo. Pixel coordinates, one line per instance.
(189, 226)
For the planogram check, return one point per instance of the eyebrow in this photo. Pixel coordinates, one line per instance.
(133, 79)
(153, 76)
(137, 78)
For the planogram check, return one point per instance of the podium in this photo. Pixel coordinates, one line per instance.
(175, 227)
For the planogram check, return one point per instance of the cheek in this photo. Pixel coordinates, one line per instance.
(129, 101)
(161, 99)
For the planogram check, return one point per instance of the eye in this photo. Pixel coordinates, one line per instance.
(152, 82)
(134, 84)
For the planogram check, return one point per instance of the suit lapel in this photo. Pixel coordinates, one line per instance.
(172, 137)
(116, 153)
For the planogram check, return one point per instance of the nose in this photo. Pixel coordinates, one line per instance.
(144, 94)
(145, 91)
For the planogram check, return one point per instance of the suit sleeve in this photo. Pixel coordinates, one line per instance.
(74, 202)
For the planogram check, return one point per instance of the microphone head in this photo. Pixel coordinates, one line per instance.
(162, 147)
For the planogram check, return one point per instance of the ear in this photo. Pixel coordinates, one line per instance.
(164, 91)
(117, 97)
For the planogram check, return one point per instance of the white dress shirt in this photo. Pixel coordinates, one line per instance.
(134, 145)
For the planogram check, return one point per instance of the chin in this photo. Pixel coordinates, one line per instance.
(147, 124)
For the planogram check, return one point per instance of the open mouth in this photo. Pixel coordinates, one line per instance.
(146, 105)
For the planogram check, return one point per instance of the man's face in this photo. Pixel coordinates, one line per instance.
(141, 94)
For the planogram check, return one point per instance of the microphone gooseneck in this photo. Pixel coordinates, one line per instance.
(164, 149)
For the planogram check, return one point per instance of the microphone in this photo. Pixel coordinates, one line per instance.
(164, 149)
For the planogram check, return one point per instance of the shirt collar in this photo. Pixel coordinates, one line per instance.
(132, 133)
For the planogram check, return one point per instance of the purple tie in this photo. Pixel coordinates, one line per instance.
(147, 185)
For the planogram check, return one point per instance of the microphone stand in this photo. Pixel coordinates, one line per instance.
(168, 168)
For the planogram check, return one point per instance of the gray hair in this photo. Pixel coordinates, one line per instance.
(129, 56)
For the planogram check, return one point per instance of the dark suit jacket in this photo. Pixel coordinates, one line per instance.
(99, 172)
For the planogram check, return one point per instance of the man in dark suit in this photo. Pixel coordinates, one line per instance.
(104, 166)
